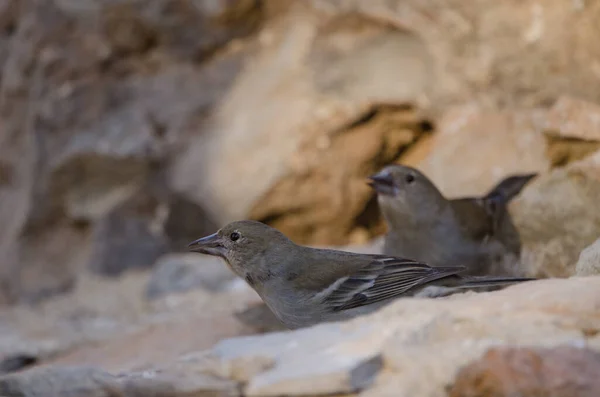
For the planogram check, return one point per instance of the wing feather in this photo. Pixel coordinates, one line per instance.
(382, 279)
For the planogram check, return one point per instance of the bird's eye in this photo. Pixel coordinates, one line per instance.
(234, 236)
(410, 178)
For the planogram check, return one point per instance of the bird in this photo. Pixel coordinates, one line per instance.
(476, 232)
(304, 286)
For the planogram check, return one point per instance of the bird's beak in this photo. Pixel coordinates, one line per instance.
(383, 184)
(211, 245)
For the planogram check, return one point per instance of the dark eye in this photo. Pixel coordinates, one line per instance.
(234, 236)
(410, 178)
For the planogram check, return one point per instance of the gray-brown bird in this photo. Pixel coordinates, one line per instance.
(475, 232)
(304, 286)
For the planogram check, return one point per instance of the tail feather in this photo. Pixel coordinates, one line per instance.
(475, 282)
(509, 187)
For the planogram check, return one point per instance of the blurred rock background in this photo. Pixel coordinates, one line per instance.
(130, 127)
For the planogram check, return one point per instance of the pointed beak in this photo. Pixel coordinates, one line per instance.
(210, 245)
(382, 183)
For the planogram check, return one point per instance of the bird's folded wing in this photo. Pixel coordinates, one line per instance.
(476, 219)
(382, 279)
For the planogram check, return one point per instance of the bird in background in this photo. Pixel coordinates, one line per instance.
(303, 286)
(475, 232)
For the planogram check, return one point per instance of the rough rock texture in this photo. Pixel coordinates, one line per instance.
(130, 127)
(94, 99)
(474, 148)
(215, 110)
(110, 324)
(557, 216)
(414, 347)
(589, 260)
(182, 272)
(93, 382)
(295, 138)
(556, 372)
(572, 128)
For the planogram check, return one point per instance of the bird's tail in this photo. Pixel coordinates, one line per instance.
(509, 187)
(482, 282)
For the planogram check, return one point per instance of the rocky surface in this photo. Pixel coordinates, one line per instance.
(502, 372)
(537, 336)
(129, 128)
(589, 260)
(557, 217)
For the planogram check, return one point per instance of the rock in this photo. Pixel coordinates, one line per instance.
(182, 272)
(492, 145)
(17, 362)
(589, 260)
(574, 118)
(411, 347)
(177, 381)
(292, 145)
(85, 381)
(557, 217)
(320, 364)
(109, 323)
(502, 372)
(88, 124)
(59, 382)
(128, 237)
(572, 127)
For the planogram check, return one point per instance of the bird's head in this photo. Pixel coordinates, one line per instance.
(244, 245)
(405, 191)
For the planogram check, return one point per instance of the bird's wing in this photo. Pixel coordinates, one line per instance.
(509, 187)
(477, 219)
(381, 279)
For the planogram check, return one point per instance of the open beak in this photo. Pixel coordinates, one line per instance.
(383, 184)
(210, 245)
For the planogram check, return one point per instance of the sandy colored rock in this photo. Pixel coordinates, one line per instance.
(589, 260)
(572, 129)
(557, 216)
(491, 145)
(558, 372)
(574, 118)
(109, 323)
(414, 346)
(304, 125)
(502, 54)
(314, 362)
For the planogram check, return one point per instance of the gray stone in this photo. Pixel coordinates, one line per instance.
(182, 272)
(60, 382)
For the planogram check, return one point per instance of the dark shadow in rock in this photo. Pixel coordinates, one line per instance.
(17, 362)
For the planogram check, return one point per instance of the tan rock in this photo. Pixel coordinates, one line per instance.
(557, 216)
(574, 118)
(414, 347)
(589, 260)
(475, 148)
(110, 324)
(502, 53)
(572, 127)
(503, 372)
(304, 126)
